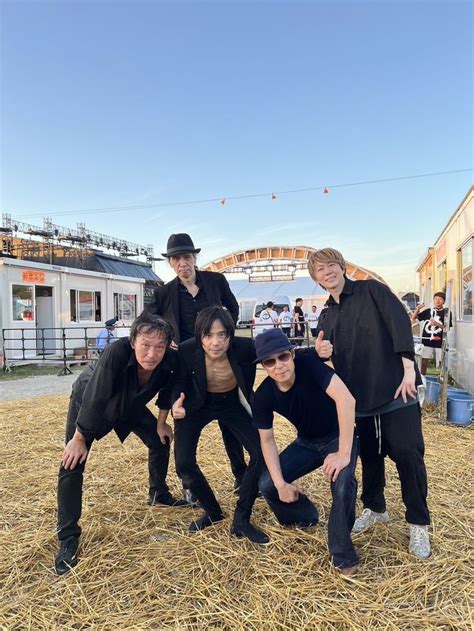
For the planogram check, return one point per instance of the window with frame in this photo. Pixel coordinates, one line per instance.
(23, 307)
(442, 276)
(125, 306)
(85, 306)
(466, 309)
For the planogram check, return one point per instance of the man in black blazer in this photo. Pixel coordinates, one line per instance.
(216, 376)
(180, 300)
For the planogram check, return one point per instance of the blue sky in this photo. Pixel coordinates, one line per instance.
(110, 104)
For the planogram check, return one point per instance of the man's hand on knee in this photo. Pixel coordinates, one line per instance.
(75, 451)
(165, 432)
(289, 492)
(334, 463)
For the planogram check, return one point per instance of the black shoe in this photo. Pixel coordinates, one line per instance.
(66, 557)
(166, 500)
(246, 529)
(204, 522)
(191, 499)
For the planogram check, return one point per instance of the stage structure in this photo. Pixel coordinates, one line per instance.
(276, 263)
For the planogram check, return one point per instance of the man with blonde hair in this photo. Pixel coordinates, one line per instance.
(366, 333)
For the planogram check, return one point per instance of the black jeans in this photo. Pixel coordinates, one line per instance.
(298, 459)
(402, 440)
(286, 330)
(226, 408)
(70, 480)
(234, 451)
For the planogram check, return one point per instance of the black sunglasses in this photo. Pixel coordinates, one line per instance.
(271, 361)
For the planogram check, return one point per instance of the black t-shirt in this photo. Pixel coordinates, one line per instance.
(432, 336)
(299, 312)
(306, 403)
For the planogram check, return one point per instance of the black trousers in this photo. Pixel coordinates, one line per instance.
(300, 332)
(70, 481)
(234, 451)
(226, 408)
(400, 439)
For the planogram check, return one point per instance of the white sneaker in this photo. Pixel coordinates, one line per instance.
(419, 541)
(368, 518)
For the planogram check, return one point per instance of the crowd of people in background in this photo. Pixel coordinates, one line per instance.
(354, 394)
(292, 323)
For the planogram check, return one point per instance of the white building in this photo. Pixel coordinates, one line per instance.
(448, 266)
(46, 308)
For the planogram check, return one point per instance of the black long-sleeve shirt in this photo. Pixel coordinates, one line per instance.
(370, 332)
(111, 395)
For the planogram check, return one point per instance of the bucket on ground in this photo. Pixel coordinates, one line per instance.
(455, 391)
(461, 409)
(433, 389)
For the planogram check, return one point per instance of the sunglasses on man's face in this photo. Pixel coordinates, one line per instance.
(271, 361)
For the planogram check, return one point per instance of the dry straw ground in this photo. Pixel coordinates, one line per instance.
(140, 569)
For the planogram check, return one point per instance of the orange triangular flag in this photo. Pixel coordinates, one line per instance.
(222, 201)
(326, 191)
(273, 196)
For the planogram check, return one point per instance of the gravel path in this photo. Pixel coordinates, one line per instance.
(13, 390)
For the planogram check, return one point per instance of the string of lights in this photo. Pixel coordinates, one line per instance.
(273, 195)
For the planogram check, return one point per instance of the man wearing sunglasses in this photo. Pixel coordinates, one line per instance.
(313, 398)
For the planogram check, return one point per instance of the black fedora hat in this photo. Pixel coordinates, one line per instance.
(180, 243)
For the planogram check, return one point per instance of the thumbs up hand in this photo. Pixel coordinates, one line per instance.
(178, 411)
(323, 347)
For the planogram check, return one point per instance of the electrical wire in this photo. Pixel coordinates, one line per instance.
(115, 209)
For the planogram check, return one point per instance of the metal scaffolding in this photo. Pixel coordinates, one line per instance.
(52, 236)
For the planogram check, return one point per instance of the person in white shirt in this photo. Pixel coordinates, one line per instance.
(268, 319)
(313, 320)
(285, 320)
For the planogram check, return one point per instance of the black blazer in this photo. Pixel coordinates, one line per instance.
(166, 299)
(192, 379)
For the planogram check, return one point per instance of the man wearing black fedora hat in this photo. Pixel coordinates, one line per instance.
(312, 397)
(180, 300)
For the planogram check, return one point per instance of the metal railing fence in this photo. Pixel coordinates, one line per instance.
(55, 345)
(66, 346)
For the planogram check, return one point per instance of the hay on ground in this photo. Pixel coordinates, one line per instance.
(140, 569)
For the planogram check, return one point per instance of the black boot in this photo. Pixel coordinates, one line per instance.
(204, 521)
(66, 557)
(166, 499)
(246, 529)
